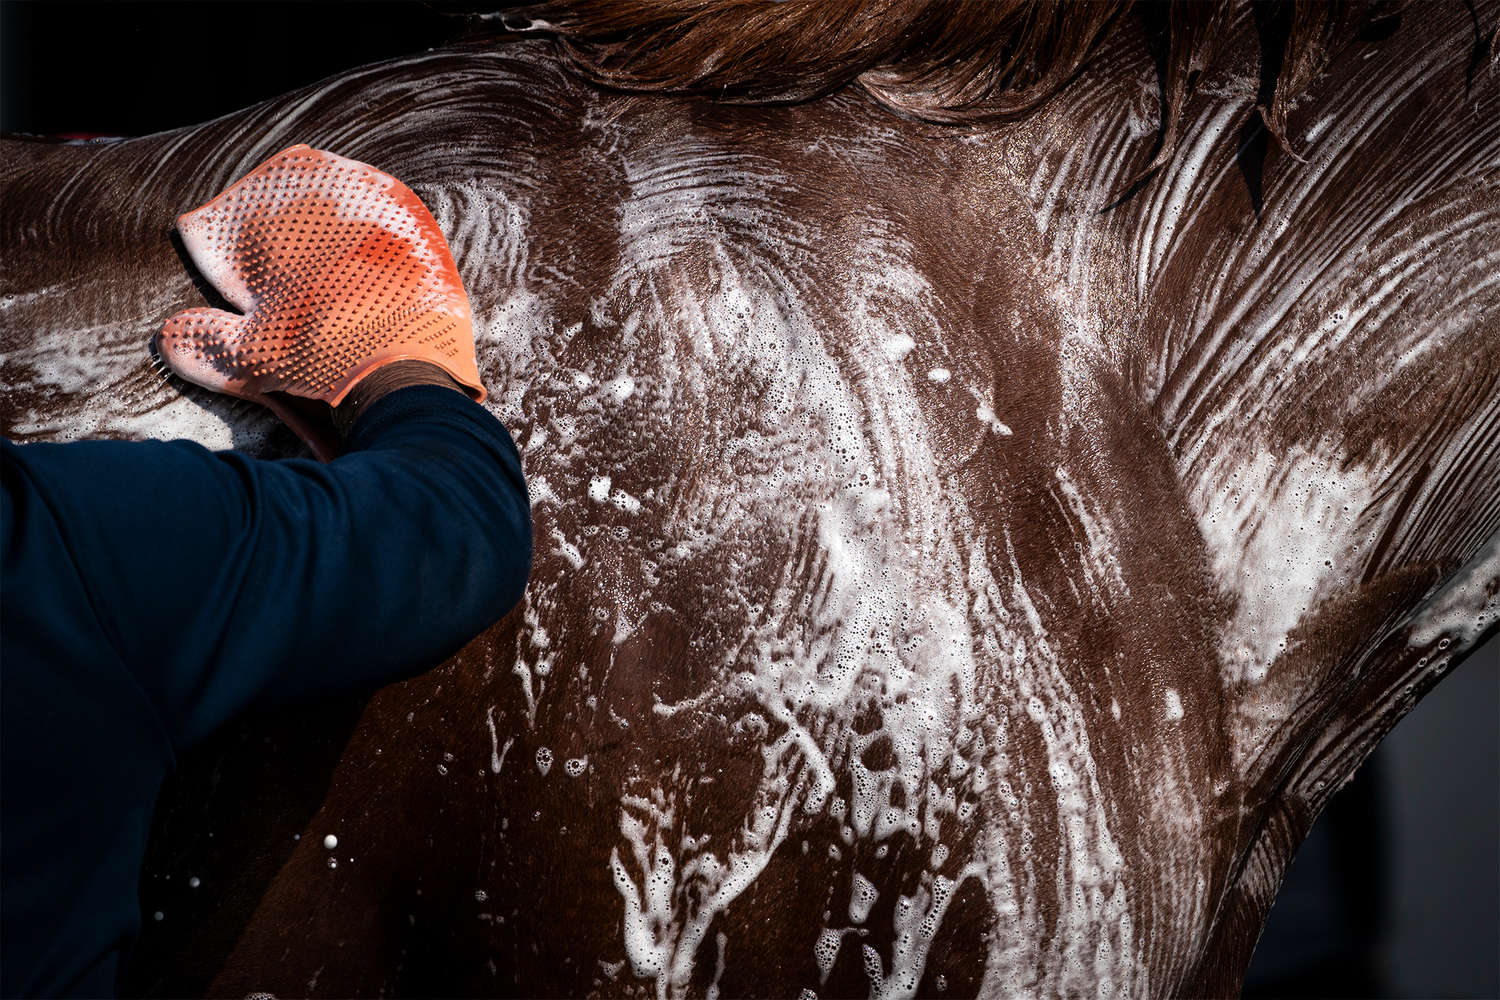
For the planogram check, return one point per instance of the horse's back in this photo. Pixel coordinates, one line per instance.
(887, 631)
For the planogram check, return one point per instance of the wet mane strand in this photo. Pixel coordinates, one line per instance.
(937, 60)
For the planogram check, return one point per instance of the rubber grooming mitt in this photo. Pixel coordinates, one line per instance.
(338, 269)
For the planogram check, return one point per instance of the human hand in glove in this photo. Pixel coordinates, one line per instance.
(339, 271)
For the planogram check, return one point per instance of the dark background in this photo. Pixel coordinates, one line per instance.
(1396, 893)
(137, 68)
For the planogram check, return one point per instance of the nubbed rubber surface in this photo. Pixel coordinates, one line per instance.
(338, 269)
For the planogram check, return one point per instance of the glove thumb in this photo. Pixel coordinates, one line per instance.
(202, 346)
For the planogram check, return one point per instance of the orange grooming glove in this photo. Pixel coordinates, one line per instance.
(338, 269)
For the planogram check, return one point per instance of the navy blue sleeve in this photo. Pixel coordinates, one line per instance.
(223, 581)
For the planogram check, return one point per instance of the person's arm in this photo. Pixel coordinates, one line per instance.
(224, 580)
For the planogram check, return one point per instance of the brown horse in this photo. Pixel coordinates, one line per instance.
(958, 571)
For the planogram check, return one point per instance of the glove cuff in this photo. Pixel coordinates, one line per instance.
(383, 381)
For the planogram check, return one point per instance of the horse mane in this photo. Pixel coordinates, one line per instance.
(938, 60)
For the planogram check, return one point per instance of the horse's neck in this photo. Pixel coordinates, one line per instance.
(1324, 375)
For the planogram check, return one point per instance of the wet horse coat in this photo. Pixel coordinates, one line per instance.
(942, 585)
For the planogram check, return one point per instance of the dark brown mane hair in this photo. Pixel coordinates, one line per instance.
(949, 61)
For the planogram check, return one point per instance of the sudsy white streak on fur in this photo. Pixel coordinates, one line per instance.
(1452, 620)
(1285, 531)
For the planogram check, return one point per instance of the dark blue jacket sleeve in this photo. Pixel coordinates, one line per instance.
(150, 590)
(224, 581)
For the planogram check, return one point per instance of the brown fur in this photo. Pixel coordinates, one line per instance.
(602, 234)
(937, 60)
